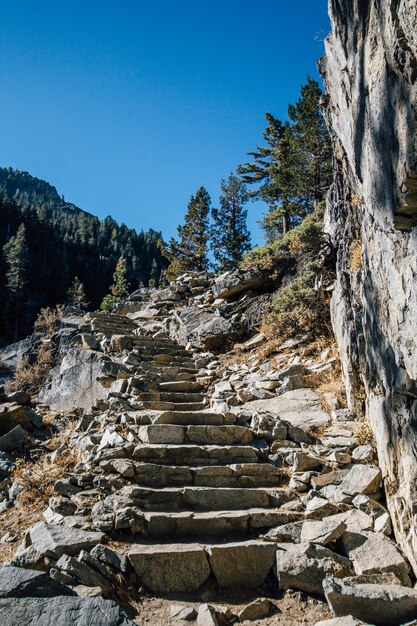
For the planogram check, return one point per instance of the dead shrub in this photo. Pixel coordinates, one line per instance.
(37, 478)
(364, 435)
(32, 373)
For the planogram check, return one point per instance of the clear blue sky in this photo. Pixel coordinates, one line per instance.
(128, 106)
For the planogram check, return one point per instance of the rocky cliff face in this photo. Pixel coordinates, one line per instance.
(370, 71)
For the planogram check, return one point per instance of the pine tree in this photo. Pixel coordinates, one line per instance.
(16, 257)
(293, 171)
(259, 173)
(191, 251)
(76, 295)
(120, 287)
(230, 236)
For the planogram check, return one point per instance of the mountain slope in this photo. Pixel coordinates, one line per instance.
(64, 241)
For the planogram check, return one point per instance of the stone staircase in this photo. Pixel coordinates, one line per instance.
(203, 490)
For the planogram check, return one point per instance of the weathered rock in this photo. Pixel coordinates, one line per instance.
(54, 541)
(374, 552)
(13, 439)
(323, 531)
(203, 328)
(74, 382)
(362, 479)
(370, 77)
(115, 559)
(182, 613)
(62, 611)
(258, 609)
(170, 568)
(231, 284)
(382, 605)
(301, 408)
(305, 566)
(243, 565)
(207, 616)
(16, 582)
(12, 415)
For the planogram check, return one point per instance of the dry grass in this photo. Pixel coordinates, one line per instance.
(36, 479)
(356, 200)
(355, 255)
(32, 374)
(364, 435)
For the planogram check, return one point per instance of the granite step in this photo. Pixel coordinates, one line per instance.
(196, 455)
(194, 418)
(206, 498)
(192, 524)
(238, 475)
(207, 435)
(177, 568)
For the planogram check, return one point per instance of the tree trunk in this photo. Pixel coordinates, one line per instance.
(285, 223)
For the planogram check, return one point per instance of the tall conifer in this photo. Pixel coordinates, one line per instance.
(230, 236)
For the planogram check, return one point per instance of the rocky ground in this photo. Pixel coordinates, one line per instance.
(164, 482)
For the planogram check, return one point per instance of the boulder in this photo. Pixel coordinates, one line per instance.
(53, 541)
(374, 553)
(74, 382)
(13, 414)
(12, 354)
(258, 609)
(305, 566)
(300, 407)
(13, 439)
(322, 531)
(16, 582)
(203, 328)
(381, 605)
(62, 611)
(362, 479)
(232, 284)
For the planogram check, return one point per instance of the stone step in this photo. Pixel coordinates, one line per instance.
(196, 455)
(206, 498)
(148, 340)
(194, 418)
(151, 350)
(238, 475)
(173, 370)
(180, 386)
(184, 567)
(152, 405)
(169, 359)
(220, 435)
(191, 524)
(172, 396)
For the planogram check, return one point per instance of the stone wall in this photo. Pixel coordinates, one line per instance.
(370, 71)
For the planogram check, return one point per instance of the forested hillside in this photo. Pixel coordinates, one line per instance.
(58, 242)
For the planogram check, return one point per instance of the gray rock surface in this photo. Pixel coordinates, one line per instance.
(299, 407)
(61, 611)
(370, 75)
(53, 541)
(16, 582)
(382, 605)
(74, 382)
